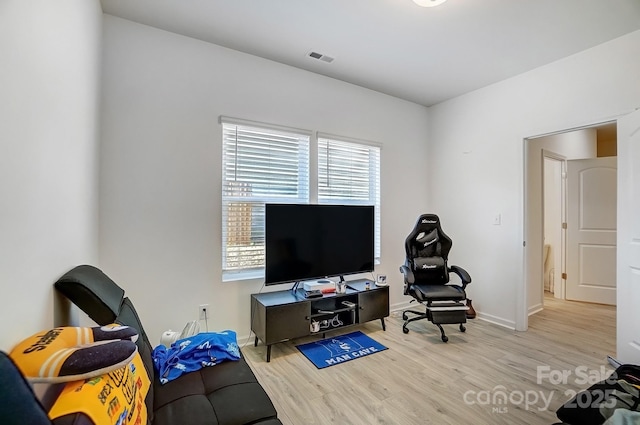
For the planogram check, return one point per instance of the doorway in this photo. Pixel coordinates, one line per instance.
(545, 157)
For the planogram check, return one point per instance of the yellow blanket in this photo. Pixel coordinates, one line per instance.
(115, 398)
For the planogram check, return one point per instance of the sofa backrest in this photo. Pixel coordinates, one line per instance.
(129, 317)
(104, 302)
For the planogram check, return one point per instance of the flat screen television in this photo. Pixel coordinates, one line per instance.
(307, 241)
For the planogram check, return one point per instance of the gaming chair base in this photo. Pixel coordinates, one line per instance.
(437, 317)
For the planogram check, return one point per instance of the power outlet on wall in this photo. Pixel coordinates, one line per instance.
(203, 311)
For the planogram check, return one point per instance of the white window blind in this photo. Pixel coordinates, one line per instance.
(259, 165)
(349, 173)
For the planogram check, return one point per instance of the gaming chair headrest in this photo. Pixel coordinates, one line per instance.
(428, 232)
(428, 222)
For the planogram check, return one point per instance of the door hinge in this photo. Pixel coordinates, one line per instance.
(564, 276)
(564, 225)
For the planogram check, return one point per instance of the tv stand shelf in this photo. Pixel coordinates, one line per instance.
(283, 315)
(322, 313)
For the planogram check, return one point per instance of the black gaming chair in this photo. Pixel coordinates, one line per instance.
(426, 277)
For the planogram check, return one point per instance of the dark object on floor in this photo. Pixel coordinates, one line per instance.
(426, 277)
(227, 393)
(596, 404)
(471, 313)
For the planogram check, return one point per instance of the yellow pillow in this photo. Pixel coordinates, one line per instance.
(116, 397)
(71, 353)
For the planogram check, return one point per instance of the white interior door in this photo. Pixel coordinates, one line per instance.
(628, 335)
(591, 230)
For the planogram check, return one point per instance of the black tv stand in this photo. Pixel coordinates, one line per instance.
(283, 315)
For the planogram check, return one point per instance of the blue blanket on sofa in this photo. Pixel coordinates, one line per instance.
(193, 353)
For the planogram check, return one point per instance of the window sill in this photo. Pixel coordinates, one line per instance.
(243, 275)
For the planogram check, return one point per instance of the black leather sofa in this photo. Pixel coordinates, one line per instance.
(225, 394)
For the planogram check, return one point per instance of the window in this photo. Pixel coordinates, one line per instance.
(259, 165)
(262, 163)
(349, 173)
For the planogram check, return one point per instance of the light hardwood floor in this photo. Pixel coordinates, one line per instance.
(421, 380)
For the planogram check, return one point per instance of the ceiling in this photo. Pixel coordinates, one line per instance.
(423, 55)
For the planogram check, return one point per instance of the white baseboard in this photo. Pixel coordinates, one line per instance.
(403, 306)
(535, 309)
(509, 324)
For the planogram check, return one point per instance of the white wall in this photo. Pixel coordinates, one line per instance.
(160, 182)
(476, 165)
(48, 143)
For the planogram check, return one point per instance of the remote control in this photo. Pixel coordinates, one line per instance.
(348, 304)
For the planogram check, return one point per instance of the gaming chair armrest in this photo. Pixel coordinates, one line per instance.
(409, 278)
(408, 274)
(462, 273)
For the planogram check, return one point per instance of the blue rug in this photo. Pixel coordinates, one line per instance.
(340, 349)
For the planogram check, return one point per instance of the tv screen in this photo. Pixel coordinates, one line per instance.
(305, 241)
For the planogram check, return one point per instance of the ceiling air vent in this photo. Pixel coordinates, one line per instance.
(320, 56)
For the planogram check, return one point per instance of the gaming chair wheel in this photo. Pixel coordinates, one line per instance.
(462, 328)
(445, 338)
(405, 330)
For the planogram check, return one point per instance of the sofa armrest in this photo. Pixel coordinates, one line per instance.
(93, 292)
